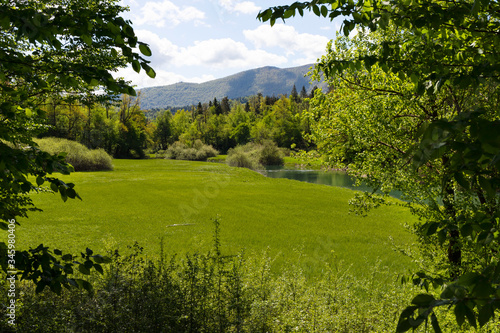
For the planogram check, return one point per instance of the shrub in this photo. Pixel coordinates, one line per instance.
(255, 156)
(198, 152)
(212, 292)
(241, 159)
(79, 156)
(270, 154)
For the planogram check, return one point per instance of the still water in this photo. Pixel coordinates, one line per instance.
(332, 178)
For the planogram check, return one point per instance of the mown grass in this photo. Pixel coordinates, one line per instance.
(150, 200)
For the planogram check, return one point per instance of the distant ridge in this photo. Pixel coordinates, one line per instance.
(266, 80)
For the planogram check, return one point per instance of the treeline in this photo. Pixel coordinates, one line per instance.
(125, 131)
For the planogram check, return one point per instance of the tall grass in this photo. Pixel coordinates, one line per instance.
(197, 152)
(255, 156)
(79, 156)
(214, 292)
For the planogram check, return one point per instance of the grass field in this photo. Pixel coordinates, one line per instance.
(150, 200)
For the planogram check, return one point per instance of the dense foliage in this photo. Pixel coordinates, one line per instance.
(423, 76)
(67, 49)
(197, 152)
(255, 156)
(125, 131)
(214, 292)
(80, 157)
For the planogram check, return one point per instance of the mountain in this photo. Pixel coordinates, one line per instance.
(266, 80)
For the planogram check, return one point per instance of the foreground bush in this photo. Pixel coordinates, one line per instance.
(79, 156)
(215, 293)
(255, 156)
(197, 152)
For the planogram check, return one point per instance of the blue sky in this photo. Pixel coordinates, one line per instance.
(202, 40)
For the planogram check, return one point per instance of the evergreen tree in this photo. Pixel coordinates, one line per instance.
(225, 107)
(303, 93)
(294, 95)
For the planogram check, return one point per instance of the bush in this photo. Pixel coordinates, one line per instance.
(212, 292)
(198, 152)
(255, 156)
(79, 156)
(241, 159)
(270, 154)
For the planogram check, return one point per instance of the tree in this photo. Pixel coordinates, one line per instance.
(224, 105)
(448, 52)
(303, 93)
(52, 48)
(131, 129)
(163, 131)
(293, 94)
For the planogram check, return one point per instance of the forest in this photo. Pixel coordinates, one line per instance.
(124, 130)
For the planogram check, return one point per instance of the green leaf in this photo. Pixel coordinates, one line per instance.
(136, 65)
(71, 193)
(324, 11)
(486, 186)
(459, 177)
(485, 314)
(39, 180)
(83, 269)
(101, 259)
(88, 264)
(423, 300)
(316, 10)
(435, 324)
(145, 50)
(466, 230)
(54, 187)
(471, 316)
(56, 287)
(460, 313)
(40, 287)
(99, 268)
(432, 228)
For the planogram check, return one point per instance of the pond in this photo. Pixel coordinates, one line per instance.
(332, 178)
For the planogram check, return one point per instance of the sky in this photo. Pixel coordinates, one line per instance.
(202, 40)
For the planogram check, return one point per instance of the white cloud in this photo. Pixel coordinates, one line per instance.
(214, 53)
(244, 7)
(160, 14)
(310, 47)
(226, 53)
(163, 77)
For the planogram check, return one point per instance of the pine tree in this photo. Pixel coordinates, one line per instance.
(294, 95)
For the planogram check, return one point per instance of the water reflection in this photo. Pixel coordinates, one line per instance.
(332, 178)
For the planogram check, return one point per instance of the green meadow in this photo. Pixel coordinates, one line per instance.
(173, 202)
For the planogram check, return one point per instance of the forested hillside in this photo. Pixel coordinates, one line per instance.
(266, 80)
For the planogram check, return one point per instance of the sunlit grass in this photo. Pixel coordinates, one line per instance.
(150, 200)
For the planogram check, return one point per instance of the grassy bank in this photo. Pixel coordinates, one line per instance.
(150, 200)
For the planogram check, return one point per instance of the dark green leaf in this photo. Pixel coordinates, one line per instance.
(40, 286)
(56, 287)
(485, 314)
(98, 268)
(136, 65)
(460, 313)
(83, 269)
(423, 300)
(316, 10)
